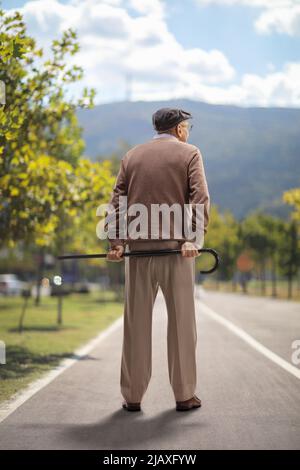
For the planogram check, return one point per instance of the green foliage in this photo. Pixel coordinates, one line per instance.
(223, 236)
(273, 243)
(292, 197)
(47, 189)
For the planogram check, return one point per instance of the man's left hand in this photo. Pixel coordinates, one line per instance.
(189, 250)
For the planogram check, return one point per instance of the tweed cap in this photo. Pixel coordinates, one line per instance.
(165, 118)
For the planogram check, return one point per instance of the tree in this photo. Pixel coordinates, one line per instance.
(223, 235)
(49, 192)
(39, 130)
(292, 197)
(256, 237)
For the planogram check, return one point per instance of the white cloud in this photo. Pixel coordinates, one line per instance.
(280, 89)
(282, 20)
(276, 89)
(148, 7)
(116, 46)
(255, 3)
(280, 16)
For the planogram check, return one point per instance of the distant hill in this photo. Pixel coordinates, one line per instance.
(251, 155)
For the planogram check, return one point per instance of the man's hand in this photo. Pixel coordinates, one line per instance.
(116, 254)
(189, 250)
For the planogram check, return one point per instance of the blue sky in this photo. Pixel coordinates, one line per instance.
(233, 33)
(220, 51)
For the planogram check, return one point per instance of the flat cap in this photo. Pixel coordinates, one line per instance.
(165, 118)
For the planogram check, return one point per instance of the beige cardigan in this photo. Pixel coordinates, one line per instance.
(162, 170)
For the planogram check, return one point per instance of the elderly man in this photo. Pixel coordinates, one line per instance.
(163, 170)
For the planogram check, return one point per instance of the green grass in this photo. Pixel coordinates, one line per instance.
(43, 343)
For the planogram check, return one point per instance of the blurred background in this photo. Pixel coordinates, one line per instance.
(79, 83)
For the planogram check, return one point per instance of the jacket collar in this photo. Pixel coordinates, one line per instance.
(164, 136)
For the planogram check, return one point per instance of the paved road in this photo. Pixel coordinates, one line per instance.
(249, 402)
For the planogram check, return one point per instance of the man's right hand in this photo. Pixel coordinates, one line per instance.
(189, 250)
(116, 254)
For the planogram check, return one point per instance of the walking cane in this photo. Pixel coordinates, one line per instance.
(149, 253)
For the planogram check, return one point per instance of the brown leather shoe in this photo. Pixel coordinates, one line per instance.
(131, 406)
(186, 405)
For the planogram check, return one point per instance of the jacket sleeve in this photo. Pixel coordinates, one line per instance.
(119, 189)
(198, 190)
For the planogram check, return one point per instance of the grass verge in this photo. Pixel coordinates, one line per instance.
(43, 343)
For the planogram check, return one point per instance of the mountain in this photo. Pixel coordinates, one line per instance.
(251, 155)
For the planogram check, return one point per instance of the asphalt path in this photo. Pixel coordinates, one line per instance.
(247, 382)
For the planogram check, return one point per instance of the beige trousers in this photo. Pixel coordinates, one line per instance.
(175, 275)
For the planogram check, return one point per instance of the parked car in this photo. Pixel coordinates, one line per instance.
(81, 287)
(10, 284)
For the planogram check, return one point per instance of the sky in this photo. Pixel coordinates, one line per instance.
(241, 52)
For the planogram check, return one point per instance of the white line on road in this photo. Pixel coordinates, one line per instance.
(11, 405)
(250, 340)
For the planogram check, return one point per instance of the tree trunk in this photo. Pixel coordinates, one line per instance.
(60, 299)
(39, 275)
(263, 277)
(24, 308)
(59, 309)
(274, 277)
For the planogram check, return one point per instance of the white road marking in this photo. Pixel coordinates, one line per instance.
(9, 406)
(250, 340)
